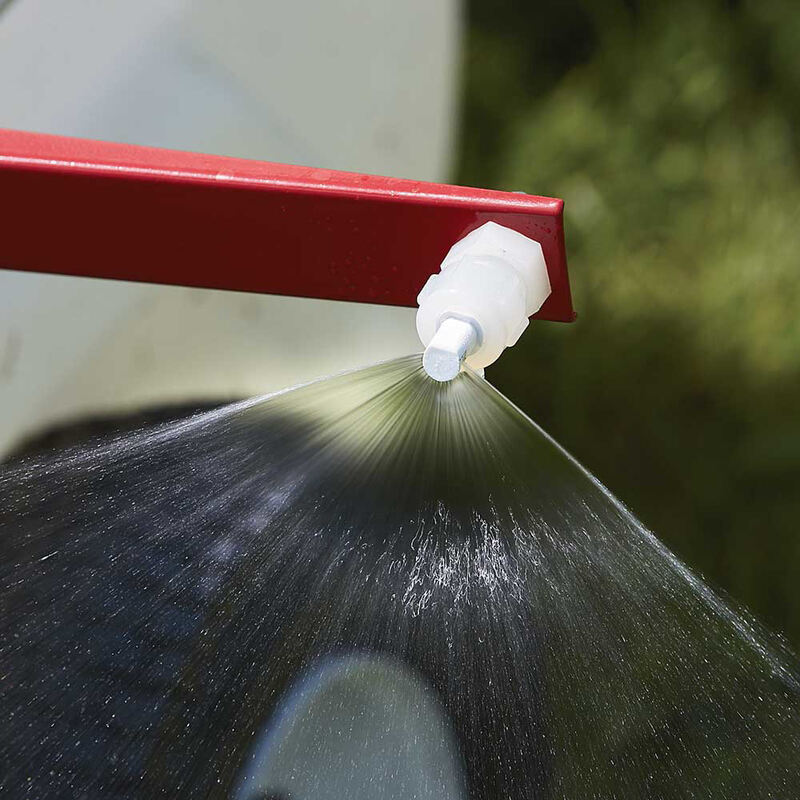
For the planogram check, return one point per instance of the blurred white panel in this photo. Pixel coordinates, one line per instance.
(363, 85)
(368, 85)
(58, 59)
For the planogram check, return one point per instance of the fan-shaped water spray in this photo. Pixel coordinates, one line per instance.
(163, 592)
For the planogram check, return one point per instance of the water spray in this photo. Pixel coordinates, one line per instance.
(489, 284)
(349, 588)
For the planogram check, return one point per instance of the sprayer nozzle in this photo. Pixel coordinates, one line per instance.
(454, 340)
(494, 278)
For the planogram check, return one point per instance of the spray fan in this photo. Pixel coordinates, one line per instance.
(478, 264)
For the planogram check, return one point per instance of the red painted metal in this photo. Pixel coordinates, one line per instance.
(103, 210)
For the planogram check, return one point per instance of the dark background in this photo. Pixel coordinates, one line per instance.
(671, 129)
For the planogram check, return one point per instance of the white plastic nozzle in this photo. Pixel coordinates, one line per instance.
(489, 283)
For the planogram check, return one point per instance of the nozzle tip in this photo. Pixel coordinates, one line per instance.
(454, 340)
(441, 365)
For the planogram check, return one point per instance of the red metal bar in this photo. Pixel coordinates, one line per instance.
(89, 208)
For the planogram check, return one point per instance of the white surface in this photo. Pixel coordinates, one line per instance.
(493, 278)
(365, 85)
(362, 85)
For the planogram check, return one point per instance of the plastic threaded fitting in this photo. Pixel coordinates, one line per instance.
(489, 283)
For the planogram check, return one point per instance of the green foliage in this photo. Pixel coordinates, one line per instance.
(671, 131)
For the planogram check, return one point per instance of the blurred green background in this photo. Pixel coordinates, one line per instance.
(672, 131)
